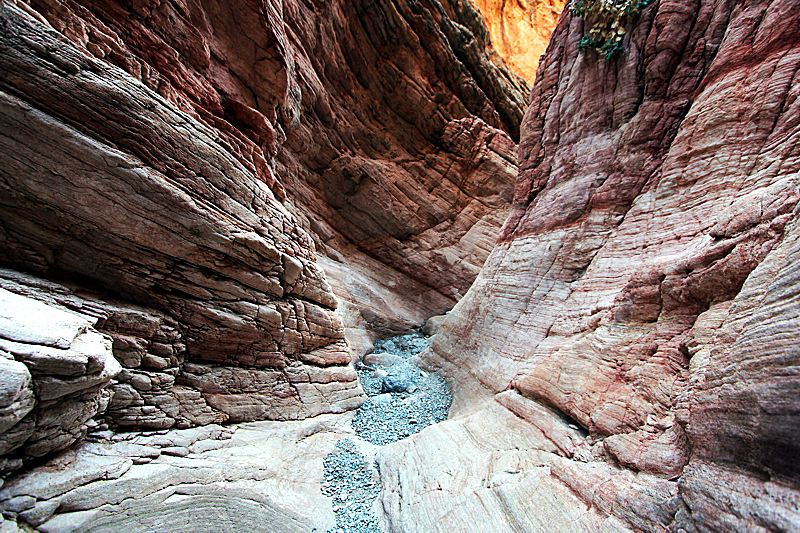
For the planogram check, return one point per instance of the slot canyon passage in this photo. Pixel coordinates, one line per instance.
(285, 265)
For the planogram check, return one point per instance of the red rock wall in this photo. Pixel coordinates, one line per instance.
(106, 183)
(642, 286)
(193, 157)
(520, 31)
(385, 123)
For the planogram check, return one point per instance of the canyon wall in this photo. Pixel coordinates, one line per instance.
(624, 360)
(107, 184)
(214, 202)
(180, 175)
(384, 129)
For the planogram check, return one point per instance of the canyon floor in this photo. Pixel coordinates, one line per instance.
(319, 474)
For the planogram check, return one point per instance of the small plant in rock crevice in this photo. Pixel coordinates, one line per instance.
(606, 20)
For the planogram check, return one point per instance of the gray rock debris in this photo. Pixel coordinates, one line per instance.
(400, 378)
(417, 401)
(353, 485)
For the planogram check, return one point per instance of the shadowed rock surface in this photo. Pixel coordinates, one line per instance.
(125, 192)
(193, 158)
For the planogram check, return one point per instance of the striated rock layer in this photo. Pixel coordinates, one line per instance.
(107, 183)
(258, 476)
(54, 374)
(177, 167)
(384, 128)
(637, 316)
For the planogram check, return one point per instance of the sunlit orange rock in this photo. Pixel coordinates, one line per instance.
(520, 30)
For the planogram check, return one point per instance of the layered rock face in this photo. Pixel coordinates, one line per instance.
(633, 326)
(106, 182)
(403, 159)
(250, 477)
(624, 362)
(383, 125)
(54, 376)
(177, 166)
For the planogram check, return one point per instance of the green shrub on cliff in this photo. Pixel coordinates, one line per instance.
(606, 20)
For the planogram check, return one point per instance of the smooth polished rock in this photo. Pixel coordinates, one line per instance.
(248, 477)
(57, 328)
(433, 324)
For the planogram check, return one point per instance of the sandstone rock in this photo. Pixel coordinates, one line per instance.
(51, 388)
(252, 477)
(492, 457)
(170, 236)
(728, 499)
(134, 330)
(198, 228)
(433, 324)
(520, 31)
(40, 513)
(19, 504)
(63, 474)
(641, 286)
(56, 384)
(16, 393)
(57, 329)
(8, 526)
(215, 510)
(375, 301)
(423, 203)
(382, 359)
(610, 329)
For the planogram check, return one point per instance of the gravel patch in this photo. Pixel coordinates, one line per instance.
(353, 485)
(350, 479)
(389, 417)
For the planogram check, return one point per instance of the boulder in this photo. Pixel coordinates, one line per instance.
(400, 378)
(383, 359)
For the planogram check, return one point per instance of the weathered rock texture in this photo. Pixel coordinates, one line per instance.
(520, 31)
(261, 476)
(401, 159)
(384, 124)
(54, 373)
(191, 157)
(643, 292)
(106, 182)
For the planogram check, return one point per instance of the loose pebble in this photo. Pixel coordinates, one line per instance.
(384, 418)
